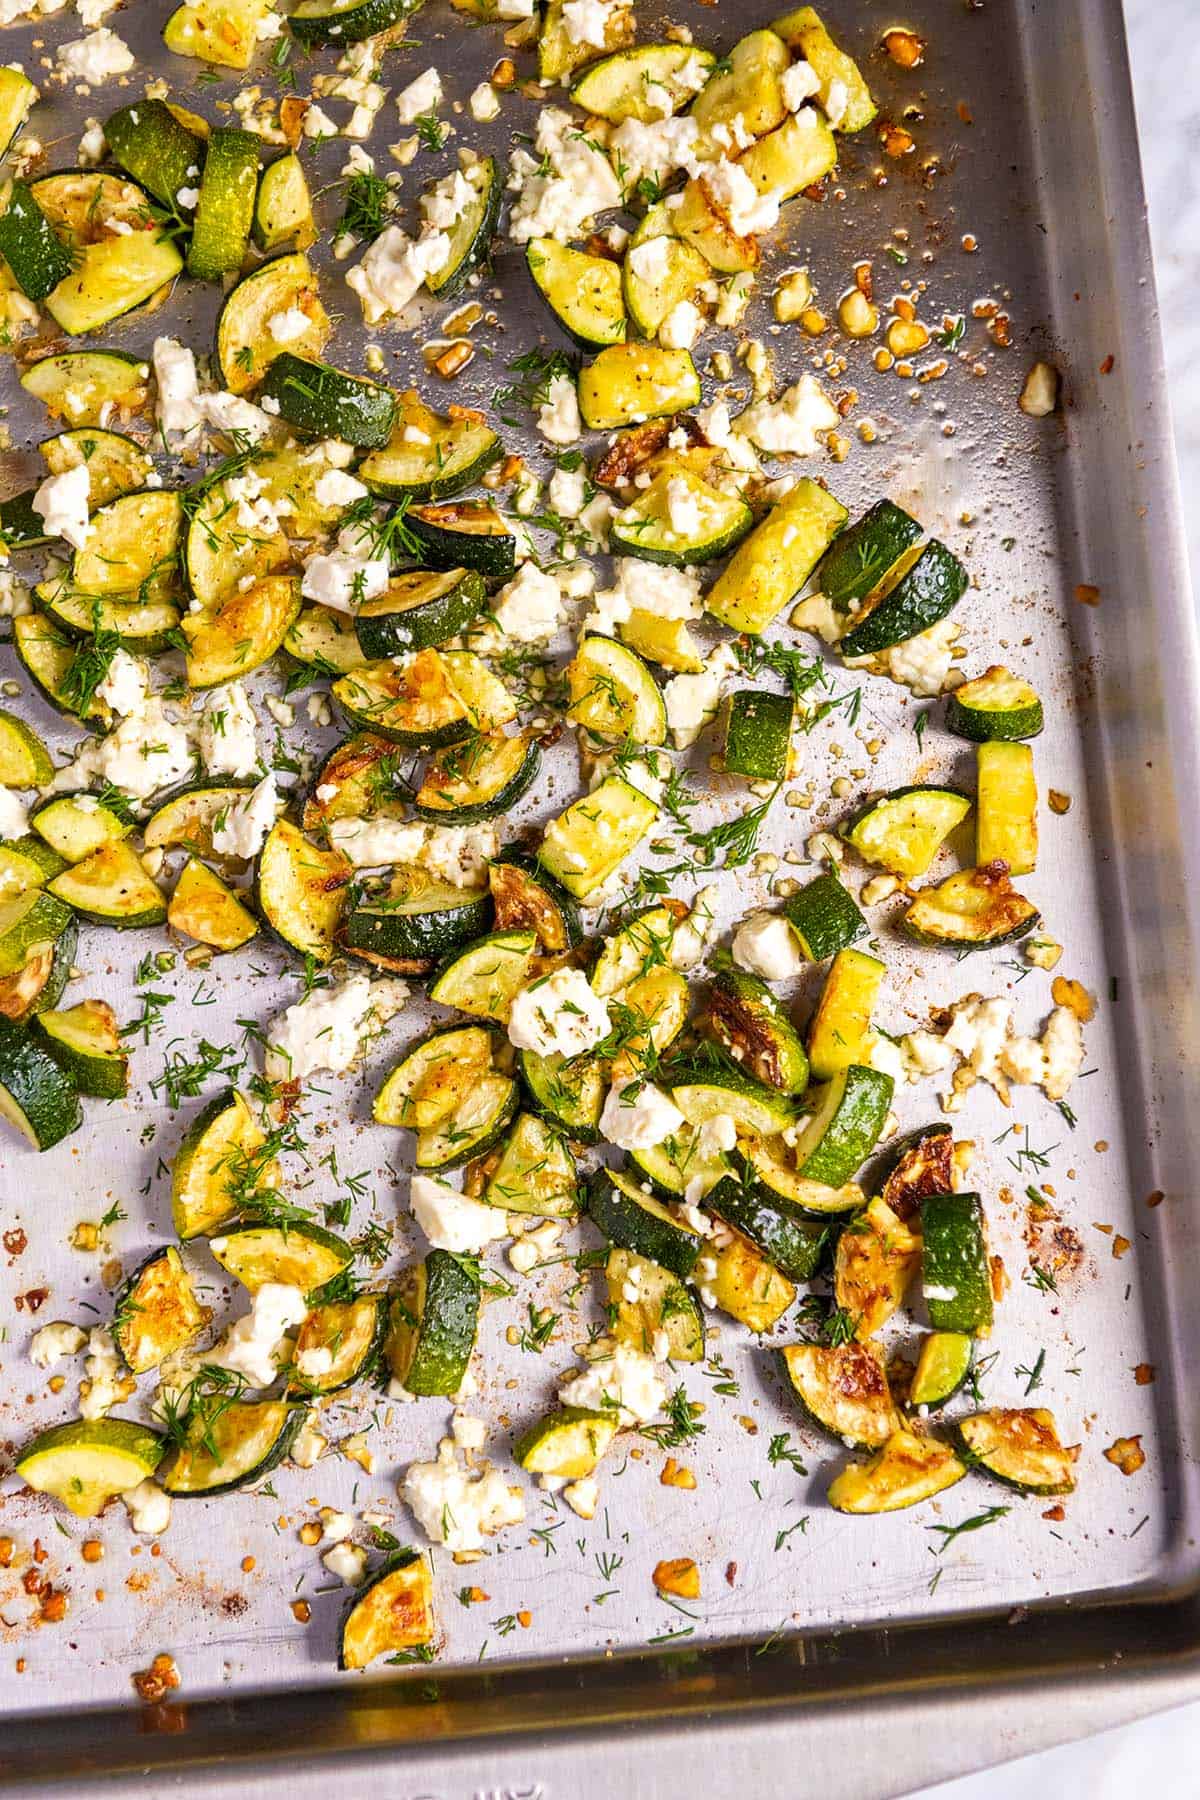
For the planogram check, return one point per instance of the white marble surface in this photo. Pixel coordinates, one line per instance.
(1159, 1755)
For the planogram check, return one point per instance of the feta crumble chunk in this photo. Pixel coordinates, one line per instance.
(453, 1221)
(456, 1508)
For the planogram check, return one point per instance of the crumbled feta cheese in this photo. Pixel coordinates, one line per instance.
(343, 578)
(145, 753)
(653, 152)
(586, 21)
(645, 587)
(563, 185)
(453, 1221)
(14, 815)
(331, 1027)
(335, 488)
(738, 200)
(835, 102)
(57, 1340)
(639, 1116)
(393, 269)
(62, 501)
(125, 685)
(179, 404)
(529, 609)
(254, 1345)
(691, 936)
(15, 599)
(484, 103)
(188, 198)
(536, 1247)
(681, 327)
(797, 84)
(348, 1562)
(469, 1433)
(558, 414)
(692, 700)
(922, 663)
(583, 1496)
(95, 59)
(567, 492)
(90, 150)
(1062, 1052)
(241, 418)
(314, 1363)
(455, 853)
(458, 1509)
(765, 945)
(627, 1381)
(715, 423)
(149, 1508)
(107, 1385)
(242, 826)
(443, 204)
(977, 1035)
(420, 96)
(317, 123)
(336, 1526)
(310, 1444)
(286, 326)
(791, 425)
(228, 744)
(560, 1015)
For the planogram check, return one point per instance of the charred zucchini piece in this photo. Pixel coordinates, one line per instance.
(526, 897)
(793, 1241)
(923, 1164)
(745, 1017)
(221, 1146)
(433, 1318)
(903, 1472)
(844, 1390)
(302, 891)
(241, 1442)
(205, 908)
(645, 1300)
(876, 1259)
(1019, 1446)
(391, 1614)
(85, 1040)
(748, 1287)
(974, 909)
(156, 1312)
(339, 1342)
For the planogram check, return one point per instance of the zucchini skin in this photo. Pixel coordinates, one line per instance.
(314, 23)
(324, 402)
(929, 589)
(796, 1245)
(426, 936)
(956, 1273)
(37, 257)
(156, 148)
(31, 1081)
(279, 1450)
(225, 212)
(861, 555)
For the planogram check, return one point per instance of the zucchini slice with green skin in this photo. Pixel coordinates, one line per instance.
(902, 1472)
(437, 698)
(793, 1243)
(943, 1365)
(87, 1461)
(221, 1146)
(18, 97)
(21, 528)
(824, 918)
(24, 759)
(143, 627)
(464, 534)
(112, 272)
(426, 922)
(771, 566)
(904, 830)
(432, 1321)
(569, 1094)
(242, 633)
(919, 1164)
(536, 1172)
(956, 1273)
(526, 897)
(245, 346)
(681, 1165)
(876, 1259)
(447, 455)
(659, 271)
(20, 870)
(323, 643)
(323, 402)
(642, 943)
(861, 556)
(339, 1342)
(317, 22)
(629, 1216)
(646, 1299)
(244, 1442)
(302, 891)
(806, 36)
(79, 385)
(418, 611)
(37, 1095)
(225, 210)
(846, 1127)
(843, 1014)
(773, 1164)
(85, 1041)
(283, 205)
(359, 778)
(704, 223)
(627, 383)
(560, 53)
(919, 591)
(613, 694)
(758, 734)
(186, 819)
(704, 1094)
(793, 158)
(46, 656)
(434, 1076)
(476, 1126)
(299, 1255)
(567, 1444)
(1006, 822)
(132, 548)
(31, 849)
(590, 840)
(748, 1287)
(391, 1613)
(28, 919)
(996, 705)
(1019, 1446)
(156, 148)
(115, 464)
(205, 908)
(40, 980)
(485, 977)
(156, 1311)
(472, 232)
(76, 830)
(844, 1391)
(747, 1020)
(481, 778)
(681, 521)
(38, 259)
(582, 291)
(974, 909)
(110, 887)
(217, 31)
(618, 86)
(745, 85)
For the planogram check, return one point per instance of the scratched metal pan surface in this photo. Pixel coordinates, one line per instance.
(1022, 196)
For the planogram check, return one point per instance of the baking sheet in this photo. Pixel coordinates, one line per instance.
(1112, 883)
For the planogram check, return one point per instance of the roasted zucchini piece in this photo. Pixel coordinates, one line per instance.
(680, 520)
(876, 1259)
(629, 382)
(590, 840)
(464, 534)
(843, 93)
(795, 1243)
(844, 1390)
(956, 1273)
(996, 705)
(323, 402)
(971, 910)
(417, 919)
(526, 897)
(37, 1096)
(241, 1442)
(630, 1217)
(110, 887)
(316, 22)
(903, 1472)
(221, 1146)
(921, 1163)
(746, 1019)
(758, 734)
(943, 1365)
(433, 1318)
(429, 457)
(645, 1300)
(628, 84)
(536, 1172)
(924, 586)
(203, 907)
(391, 1614)
(582, 291)
(748, 1287)
(485, 977)
(245, 346)
(85, 1040)
(242, 633)
(86, 1462)
(300, 1255)
(302, 891)
(156, 1311)
(846, 1126)
(771, 566)
(861, 555)
(904, 830)
(339, 1342)
(419, 610)
(569, 1094)
(1006, 823)
(566, 1445)
(843, 1014)
(1019, 1446)
(613, 694)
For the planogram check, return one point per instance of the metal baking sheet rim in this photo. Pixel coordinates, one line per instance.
(1128, 1636)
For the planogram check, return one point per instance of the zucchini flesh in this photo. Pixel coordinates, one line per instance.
(745, 85)
(971, 910)
(466, 534)
(567, 1444)
(536, 1172)
(37, 1096)
(923, 1163)
(434, 700)
(843, 92)
(560, 53)
(824, 918)
(217, 31)
(570, 1094)
(942, 1367)
(110, 887)
(956, 1272)
(417, 918)
(187, 819)
(434, 1076)
(24, 759)
(345, 21)
(702, 1095)
(843, 1015)
(324, 643)
(588, 842)
(846, 1127)
(476, 1126)
(471, 233)
(38, 259)
(428, 457)
(302, 891)
(844, 1390)
(795, 156)
(482, 778)
(245, 346)
(78, 385)
(244, 631)
(904, 830)
(85, 1041)
(392, 1613)
(301, 1255)
(485, 977)
(771, 566)
(629, 382)
(774, 1165)
(647, 1299)
(641, 944)
(156, 1312)
(339, 1342)
(116, 465)
(682, 1165)
(876, 1259)
(660, 272)
(222, 1145)
(631, 84)
(613, 694)
(582, 291)
(132, 547)
(996, 704)
(433, 1320)
(283, 205)
(26, 920)
(112, 273)
(748, 1287)
(1020, 1446)
(18, 96)
(87, 1461)
(748, 1021)
(681, 521)
(1006, 826)
(243, 1442)
(204, 908)
(860, 556)
(902, 1472)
